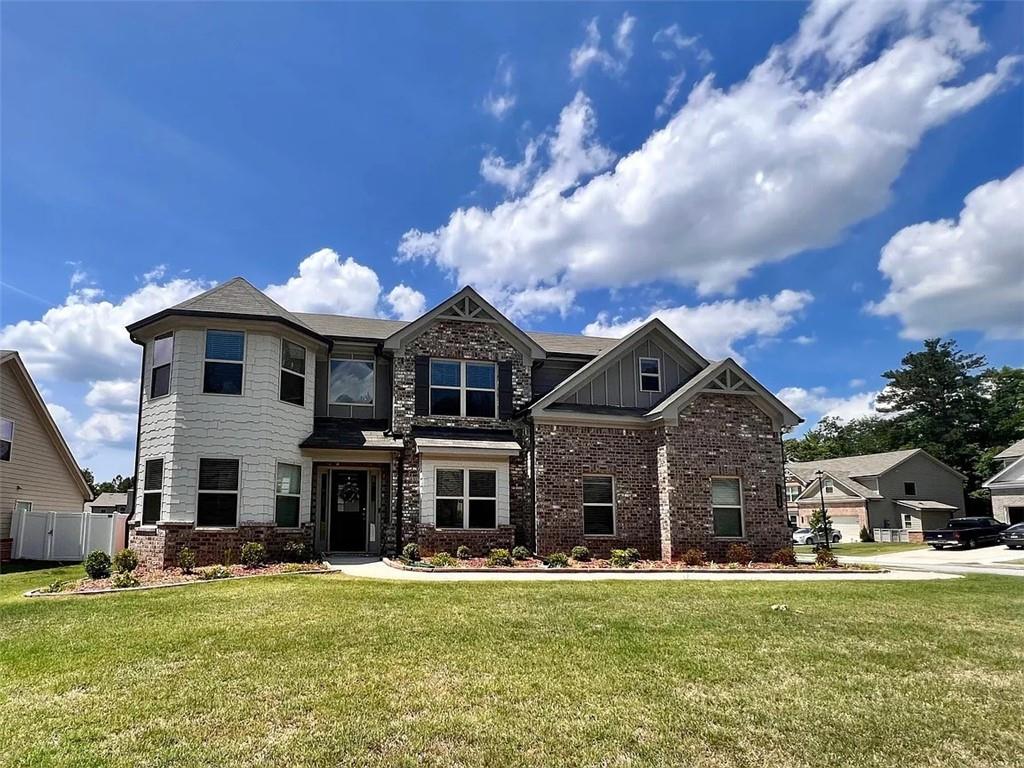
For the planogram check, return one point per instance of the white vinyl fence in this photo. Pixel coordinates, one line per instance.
(65, 536)
(891, 535)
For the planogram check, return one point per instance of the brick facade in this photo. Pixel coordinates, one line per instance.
(480, 541)
(159, 546)
(6, 547)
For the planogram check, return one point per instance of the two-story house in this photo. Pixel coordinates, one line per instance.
(362, 435)
(1007, 485)
(909, 490)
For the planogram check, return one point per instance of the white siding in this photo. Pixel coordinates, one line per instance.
(256, 427)
(427, 477)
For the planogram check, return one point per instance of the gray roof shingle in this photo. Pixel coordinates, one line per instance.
(1015, 450)
(867, 465)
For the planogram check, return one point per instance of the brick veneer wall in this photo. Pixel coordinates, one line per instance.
(6, 547)
(158, 547)
(461, 340)
(480, 541)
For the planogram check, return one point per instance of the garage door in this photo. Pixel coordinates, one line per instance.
(848, 525)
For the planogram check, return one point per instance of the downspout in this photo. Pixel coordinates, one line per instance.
(138, 437)
(533, 478)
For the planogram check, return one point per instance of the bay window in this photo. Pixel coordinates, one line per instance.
(224, 362)
(217, 504)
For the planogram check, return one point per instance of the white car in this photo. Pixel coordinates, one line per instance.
(808, 536)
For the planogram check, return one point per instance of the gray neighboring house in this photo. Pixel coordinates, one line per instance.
(108, 503)
(908, 489)
(1007, 485)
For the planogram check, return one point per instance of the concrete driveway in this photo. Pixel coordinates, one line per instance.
(996, 560)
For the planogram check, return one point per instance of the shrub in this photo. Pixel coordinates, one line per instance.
(826, 558)
(865, 534)
(56, 586)
(123, 579)
(521, 553)
(739, 553)
(230, 556)
(186, 559)
(411, 552)
(499, 557)
(463, 553)
(214, 572)
(557, 560)
(126, 561)
(624, 558)
(694, 556)
(443, 560)
(97, 564)
(784, 556)
(253, 554)
(580, 554)
(297, 552)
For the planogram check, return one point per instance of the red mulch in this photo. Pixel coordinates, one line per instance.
(642, 565)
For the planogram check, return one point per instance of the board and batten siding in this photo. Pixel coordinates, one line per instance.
(256, 427)
(934, 483)
(428, 467)
(37, 471)
(616, 383)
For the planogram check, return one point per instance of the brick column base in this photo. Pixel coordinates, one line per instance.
(158, 546)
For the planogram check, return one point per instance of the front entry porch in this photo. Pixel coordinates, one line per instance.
(351, 507)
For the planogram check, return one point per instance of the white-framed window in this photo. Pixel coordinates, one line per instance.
(217, 503)
(463, 388)
(160, 376)
(293, 373)
(465, 498)
(22, 506)
(792, 492)
(6, 439)
(793, 520)
(910, 489)
(828, 485)
(727, 507)
(352, 382)
(224, 362)
(152, 490)
(598, 505)
(650, 374)
(287, 489)
(908, 520)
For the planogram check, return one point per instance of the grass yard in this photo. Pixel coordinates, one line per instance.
(866, 548)
(331, 671)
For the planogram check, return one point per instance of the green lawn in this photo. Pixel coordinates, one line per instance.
(866, 549)
(331, 671)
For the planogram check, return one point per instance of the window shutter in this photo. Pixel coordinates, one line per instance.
(422, 385)
(505, 390)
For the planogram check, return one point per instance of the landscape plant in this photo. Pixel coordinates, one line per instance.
(254, 554)
(695, 557)
(443, 560)
(521, 553)
(739, 553)
(463, 552)
(97, 564)
(499, 557)
(411, 552)
(557, 560)
(785, 556)
(123, 580)
(125, 561)
(186, 559)
(580, 554)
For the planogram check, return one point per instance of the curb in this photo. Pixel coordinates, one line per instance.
(143, 587)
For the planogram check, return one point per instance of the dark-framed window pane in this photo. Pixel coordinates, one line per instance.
(160, 384)
(444, 373)
(287, 512)
(154, 479)
(480, 375)
(351, 382)
(598, 519)
(218, 474)
(482, 513)
(222, 378)
(293, 388)
(479, 403)
(597, 490)
(725, 492)
(163, 349)
(293, 356)
(225, 345)
(5, 450)
(151, 507)
(728, 522)
(217, 510)
(483, 483)
(449, 482)
(444, 402)
(449, 513)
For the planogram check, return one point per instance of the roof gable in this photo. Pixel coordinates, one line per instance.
(850, 487)
(466, 306)
(1014, 451)
(1011, 474)
(865, 465)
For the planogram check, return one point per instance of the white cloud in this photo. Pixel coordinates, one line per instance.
(501, 98)
(814, 404)
(780, 163)
(715, 329)
(64, 418)
(804, 340)
(114, 395)
(325, 283)
(406, 303)
(670, 41)
(514, 177)
(966, 274)
(854, 383)
(590, 52)
(108, 429)
(156, 273)
(675, 84)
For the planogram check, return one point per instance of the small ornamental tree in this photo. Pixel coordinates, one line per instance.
(97, 564)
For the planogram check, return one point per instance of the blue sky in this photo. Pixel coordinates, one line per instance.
(781, 183)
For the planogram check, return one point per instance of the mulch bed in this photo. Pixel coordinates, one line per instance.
(535, 564)
(169, 577)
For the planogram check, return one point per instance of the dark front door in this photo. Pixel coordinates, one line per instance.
(348, 510)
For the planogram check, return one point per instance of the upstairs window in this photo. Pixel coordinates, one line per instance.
(217, 505)
(352, 382)
(828, 485)
(650, 374)
(462, 388)
(152, 491)
(792, 491)
(289, 487)
(598, 505)
(293, 373)
(727, 507)
(6, 439)
(160, 378)
(910, 489)
(458, 491)
(224, 363)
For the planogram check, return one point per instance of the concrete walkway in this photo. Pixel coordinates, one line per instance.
(370, 568)
(987, 560)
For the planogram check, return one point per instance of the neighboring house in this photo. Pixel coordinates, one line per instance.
(108, 503)
(1007, 485)
(37, 470)
(458, 428)
(899, 489)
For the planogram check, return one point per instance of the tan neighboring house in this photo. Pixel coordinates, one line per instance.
(910, 490)
(108, 503)
(1007, 485)
(37, 469)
